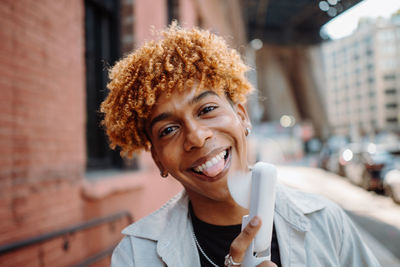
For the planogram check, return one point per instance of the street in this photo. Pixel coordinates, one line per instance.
(377, 216)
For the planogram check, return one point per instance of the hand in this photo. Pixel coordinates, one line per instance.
(243, 240)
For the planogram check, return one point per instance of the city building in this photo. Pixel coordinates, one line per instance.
(362, 72)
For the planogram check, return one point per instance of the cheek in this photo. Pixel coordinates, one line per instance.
(168, 157)
(233, 126)
(229, 122)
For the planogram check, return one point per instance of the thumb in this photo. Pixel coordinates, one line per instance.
(267, 264)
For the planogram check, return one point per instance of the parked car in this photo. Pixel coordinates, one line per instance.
(335, 163)
(366, 166)
(353, 165)
(391, 184)
(376, 166)
(391, 181)
(330, 154)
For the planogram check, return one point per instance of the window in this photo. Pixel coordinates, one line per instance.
(391, 105)
(102, 49)
(371, 80)
(173, 10)
(389, 77)
(390, 91)
(391, 120)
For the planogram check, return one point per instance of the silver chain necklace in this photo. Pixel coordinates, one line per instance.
(202, 251)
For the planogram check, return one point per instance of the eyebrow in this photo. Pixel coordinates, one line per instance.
(162, 116)
(166, 115)
(201, 96)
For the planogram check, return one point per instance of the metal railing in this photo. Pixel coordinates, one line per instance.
(39, 239)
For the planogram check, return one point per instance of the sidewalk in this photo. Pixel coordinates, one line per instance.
(375, 214)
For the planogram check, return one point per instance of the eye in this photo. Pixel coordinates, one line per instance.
(207, 109)
(168, 130)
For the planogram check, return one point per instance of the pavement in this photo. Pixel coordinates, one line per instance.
(377, 216)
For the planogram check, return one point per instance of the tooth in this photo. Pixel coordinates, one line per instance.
(200, 169)
(214, 161)
(208, 164)
(218, 157)
(203, 166)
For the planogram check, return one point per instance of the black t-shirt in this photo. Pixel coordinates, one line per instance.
(215, 241)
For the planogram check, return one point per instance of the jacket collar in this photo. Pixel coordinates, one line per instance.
(155, 225)
(289, 204)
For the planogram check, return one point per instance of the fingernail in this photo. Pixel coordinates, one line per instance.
(255, 221)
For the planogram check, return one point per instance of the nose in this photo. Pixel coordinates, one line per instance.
(196, 135)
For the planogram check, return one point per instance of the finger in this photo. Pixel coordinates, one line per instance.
(267, 264)
(244, 239)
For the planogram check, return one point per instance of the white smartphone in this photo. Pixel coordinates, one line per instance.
(256, 192)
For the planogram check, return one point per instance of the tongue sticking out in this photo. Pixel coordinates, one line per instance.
(215, 169)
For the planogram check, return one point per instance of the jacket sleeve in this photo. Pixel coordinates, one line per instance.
(123, 254)
(353, 251)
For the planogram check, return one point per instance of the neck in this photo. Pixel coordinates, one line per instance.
(218, 213)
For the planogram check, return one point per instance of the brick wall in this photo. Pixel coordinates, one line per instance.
(148, 14)
(42, 133)
(42, 155)
(42, 141)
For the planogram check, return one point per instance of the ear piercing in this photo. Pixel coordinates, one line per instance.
(247, 131)
(164, 174)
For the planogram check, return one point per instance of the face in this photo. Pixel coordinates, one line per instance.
(199, 138)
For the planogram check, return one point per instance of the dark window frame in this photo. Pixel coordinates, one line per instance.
(102, 49)
(173, 10)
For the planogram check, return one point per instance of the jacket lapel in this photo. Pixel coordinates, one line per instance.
(171, 230)
(176, 245)
(292, 226)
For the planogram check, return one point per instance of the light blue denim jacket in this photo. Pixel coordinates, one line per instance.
(311, 231)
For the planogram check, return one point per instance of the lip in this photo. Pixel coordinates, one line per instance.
(210, 155)
(204, 159)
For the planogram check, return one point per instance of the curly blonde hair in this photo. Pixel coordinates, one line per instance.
(181, 58)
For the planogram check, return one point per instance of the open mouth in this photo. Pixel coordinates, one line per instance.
(213, 166)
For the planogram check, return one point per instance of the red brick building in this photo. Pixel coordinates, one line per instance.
(55, 168)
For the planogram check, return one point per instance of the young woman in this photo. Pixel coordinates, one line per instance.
(182, 98)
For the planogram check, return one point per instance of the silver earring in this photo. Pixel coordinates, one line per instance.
(247, 131)
(164, 174)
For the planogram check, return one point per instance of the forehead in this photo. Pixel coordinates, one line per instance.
(187, 96)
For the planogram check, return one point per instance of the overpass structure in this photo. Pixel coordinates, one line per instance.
(291, 22)
(289, 65)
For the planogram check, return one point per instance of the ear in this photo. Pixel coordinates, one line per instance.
(156, 159)
(243, 115)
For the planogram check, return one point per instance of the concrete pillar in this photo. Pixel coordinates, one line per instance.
(288, 84)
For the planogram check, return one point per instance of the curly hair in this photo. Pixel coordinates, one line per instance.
(181, 58)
